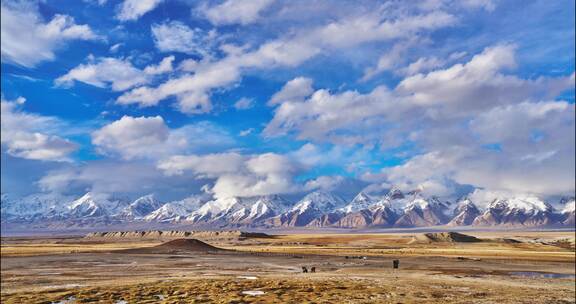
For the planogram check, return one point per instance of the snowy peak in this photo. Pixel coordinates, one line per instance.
(569, 206)
(394, 194)
(465, 205)
(465, 213)
(235, 210)
(95, 205)
(319, 201)
(518, 211)
(141, 207)
(317, 209)
(168, 212)
(176, 210)
(529, 204)
(361, 201)
(33, 205)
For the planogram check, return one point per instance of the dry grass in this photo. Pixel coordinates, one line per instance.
(7, 250)
(306, 290)
(45, 270)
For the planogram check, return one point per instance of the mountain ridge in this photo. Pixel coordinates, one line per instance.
(319, 209)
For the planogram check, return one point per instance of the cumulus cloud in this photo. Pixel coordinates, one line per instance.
(30, 136)
(130, 177)
(132, 137)
(235, 11)
(518, 166)
(324, 183)
(236, 174)
(454, 116)
(130, 10)
(150, 138)
(175, 36)
(193, 90)
(22, 19)
(165, 66)
(294, 90)
(119, 74)
(344, 118)
(438, 97)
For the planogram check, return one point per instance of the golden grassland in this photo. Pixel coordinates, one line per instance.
(47, 270)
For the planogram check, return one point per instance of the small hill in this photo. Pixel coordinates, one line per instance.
(445, 237)
(178, 245)
(188, 245)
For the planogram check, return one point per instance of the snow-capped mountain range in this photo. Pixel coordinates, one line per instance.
(317, 209)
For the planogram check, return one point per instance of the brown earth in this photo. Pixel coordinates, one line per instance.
(537, 269)
(450, 237)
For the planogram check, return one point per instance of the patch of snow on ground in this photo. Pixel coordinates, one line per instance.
(253, 292)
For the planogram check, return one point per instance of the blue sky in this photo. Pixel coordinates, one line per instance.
(243, 98)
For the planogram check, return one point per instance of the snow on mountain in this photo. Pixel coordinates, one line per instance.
(568, 217)
(422, 212)
(313, 206)
(141, 207)
(570, 206)
(34, 205)
(95, 205)
(517, 211)
(215, 209)
(317, 209)
(464, 214)
(365, 210)
(176, 210)
(238, 211)
(319, 201)
(267, 206)
(360, 201)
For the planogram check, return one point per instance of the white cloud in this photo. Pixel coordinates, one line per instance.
(394, 58)
(244, 103)
(188, 65)
(175, 36)
(164, 66)
(438, 98)
(520, 163)
(341, 118)
(29, 136)
(237, 175)
(453, 115)
(131, 10)
(235, 11)
(119, 74)
(132, 137)
(294, 90)
(115, 47)
(22, 19)
(423, 64)
(132, 177)
(246, 132)
(150, 138)
(325, 183)
(193, 90)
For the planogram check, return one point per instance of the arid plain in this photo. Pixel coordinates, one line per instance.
(497, 267)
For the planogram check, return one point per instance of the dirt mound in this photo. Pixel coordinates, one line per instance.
(446, 237)
(188, 244)
(177, 246)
